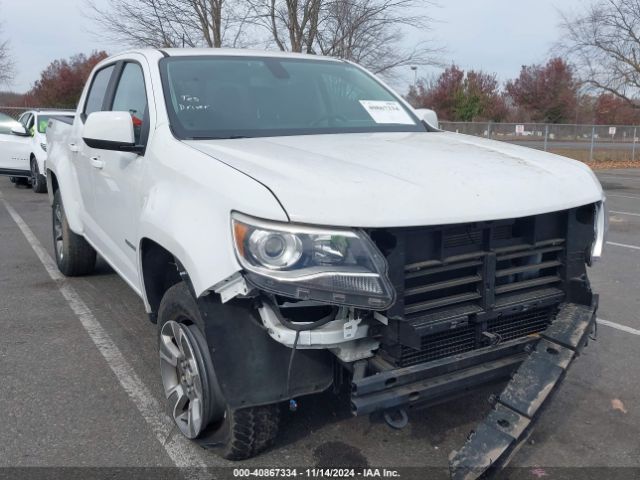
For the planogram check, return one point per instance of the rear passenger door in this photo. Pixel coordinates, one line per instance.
(118, 179)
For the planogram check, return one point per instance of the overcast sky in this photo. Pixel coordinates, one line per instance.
(496, 36)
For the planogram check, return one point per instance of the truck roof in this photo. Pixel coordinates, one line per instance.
(244, 52)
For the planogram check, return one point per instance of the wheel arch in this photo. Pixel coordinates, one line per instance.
(39, 162)
(52, 185)
(159, 270)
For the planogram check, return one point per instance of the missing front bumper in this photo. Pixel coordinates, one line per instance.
(537, 364)
(495, 440)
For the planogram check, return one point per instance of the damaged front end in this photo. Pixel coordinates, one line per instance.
(419, 315)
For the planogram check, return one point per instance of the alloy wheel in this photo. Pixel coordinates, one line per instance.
(34, 173)
(57, 231)
(181, 377)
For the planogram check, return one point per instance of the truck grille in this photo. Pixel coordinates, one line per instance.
(436, 284)
(461, 287)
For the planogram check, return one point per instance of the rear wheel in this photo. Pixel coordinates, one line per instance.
(74, 255)
(38, 181)
(191, 387)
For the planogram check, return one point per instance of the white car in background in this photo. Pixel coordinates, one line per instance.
(23, 146)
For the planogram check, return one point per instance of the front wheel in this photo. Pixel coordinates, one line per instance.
(38, 181)
(191, 387)
(74, 255)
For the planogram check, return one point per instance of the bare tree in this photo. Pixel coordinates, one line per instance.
(170, 23)
(6, 64)
(370, 32)
(7, 69)
(604, 44)
(292, 24)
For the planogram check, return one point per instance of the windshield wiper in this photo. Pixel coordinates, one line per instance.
(231, 137)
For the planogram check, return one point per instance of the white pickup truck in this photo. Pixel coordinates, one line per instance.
(293, 224)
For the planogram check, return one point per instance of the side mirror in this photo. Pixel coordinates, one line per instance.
(110, 131)
(20, 130)
(430, 117)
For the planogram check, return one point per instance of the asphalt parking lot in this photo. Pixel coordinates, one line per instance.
(81, 388)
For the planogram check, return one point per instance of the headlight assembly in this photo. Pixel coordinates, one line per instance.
(338, 266)
(601, 229)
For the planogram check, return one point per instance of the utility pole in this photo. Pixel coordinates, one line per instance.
(415, 76)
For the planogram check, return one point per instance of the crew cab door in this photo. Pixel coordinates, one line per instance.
(14, 149)
(79, 152)
(118, 180)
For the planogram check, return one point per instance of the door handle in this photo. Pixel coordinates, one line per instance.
(74, 148)
(96, 162)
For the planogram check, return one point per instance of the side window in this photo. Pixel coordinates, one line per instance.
(131, 97)
(24, 119)
(98, 89)
(30, 122)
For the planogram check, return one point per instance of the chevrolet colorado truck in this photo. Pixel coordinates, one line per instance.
(292, 225)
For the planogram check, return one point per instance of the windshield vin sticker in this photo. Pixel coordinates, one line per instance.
(387, 112)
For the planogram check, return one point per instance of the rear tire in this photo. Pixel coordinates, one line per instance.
(238, 434)
(38, 181)
(21, 181)
(74, 255)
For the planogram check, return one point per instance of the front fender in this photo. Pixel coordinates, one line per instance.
(188, 206)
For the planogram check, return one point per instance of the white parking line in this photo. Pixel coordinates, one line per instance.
(179, 449)
(625, 213)
(622, 196)
(633, 247)
(619, 178)
(617, 326)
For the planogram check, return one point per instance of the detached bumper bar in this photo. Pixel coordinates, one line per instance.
(493, 442)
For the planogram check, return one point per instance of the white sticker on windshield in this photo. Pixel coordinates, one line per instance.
(387, 112)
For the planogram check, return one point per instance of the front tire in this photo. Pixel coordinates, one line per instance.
(38, 181)
(194, 397)
(74, 255)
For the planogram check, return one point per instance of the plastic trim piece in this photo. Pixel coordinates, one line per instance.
(333, 334)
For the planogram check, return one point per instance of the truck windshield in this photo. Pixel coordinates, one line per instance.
(239, 97)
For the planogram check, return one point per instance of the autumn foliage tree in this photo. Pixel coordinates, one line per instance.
(610, 109)
(61, 83)
(547, 92)
(460, 96)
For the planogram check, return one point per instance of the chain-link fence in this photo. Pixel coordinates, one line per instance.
(14, 112)
(583, 142)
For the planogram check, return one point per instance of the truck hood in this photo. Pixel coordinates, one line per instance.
(406, 179)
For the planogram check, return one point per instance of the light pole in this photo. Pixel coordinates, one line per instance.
(415, 76)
